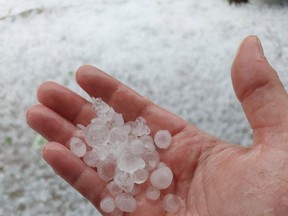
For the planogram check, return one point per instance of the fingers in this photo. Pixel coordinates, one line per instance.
(66, 103)
(82, 177)
(261, 93)
(49, 124)
(96, 83)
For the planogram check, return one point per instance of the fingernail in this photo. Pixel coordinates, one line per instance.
(48, 147)
(259, 47)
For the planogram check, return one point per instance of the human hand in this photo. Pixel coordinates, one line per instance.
(212, 176)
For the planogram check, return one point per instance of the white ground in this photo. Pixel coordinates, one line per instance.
(178, 52)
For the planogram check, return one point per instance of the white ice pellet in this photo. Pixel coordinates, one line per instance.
(148, 142)
(96, 135)
(129, 162)
(137, 127)
(126, 202)
(146, 130)
(107, 204)
(113, 188)
(136, 190)
(140, 176)
(125, 156)
(151, 159)
(117, 212)
(91, 159)
(126, 128)
(124, 181)
(106, 169)
(136, 146)
(171, 203)
(161, 178)
(152, 193)
(101, 151)
(77, 146)
(110, 114)
(100, 106)
(118, 135)
(162, 139)
(117, 120)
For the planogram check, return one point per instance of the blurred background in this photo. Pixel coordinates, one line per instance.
(177, 52)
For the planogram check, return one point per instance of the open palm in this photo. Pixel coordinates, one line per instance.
(213, 177)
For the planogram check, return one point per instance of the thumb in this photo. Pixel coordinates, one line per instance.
(261, 93)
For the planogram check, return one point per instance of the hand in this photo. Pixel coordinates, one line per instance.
(212, 176)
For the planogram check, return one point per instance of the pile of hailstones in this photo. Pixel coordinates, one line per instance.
(125, 157)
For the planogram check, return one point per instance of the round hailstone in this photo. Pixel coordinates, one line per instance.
(162, 139)
(161, 178)
(126, 202)
(124, 181)
(91, 159)
(152, 193)
(77, 146)
(128, 162)
(113, 188)
(171, 203)
(107, 204)
(140, 176)
(106, 169)
(118, 135)
(96, 135)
